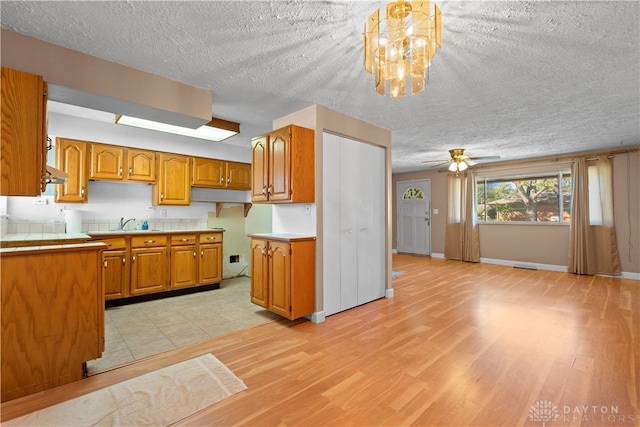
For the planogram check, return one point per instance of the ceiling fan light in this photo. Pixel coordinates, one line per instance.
(453, 167)
(462, 166)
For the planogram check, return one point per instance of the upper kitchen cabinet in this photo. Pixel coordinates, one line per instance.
(173, 186)
(214, 173)
(141, 165)
(24, 137)
(283, 166)
(117, 163)
(208, 173)
(107, 162)
(71, 157)
(238, 176)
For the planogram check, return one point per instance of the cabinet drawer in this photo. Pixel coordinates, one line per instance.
(211, 238)
(183, 239)
(148, 241)
(115, 243)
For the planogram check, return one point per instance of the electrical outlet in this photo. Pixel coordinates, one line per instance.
(149, 208)
(40, 201)
(60, 210)
(435, 211)
(307, 209)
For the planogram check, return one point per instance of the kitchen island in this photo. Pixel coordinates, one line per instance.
(52, 313)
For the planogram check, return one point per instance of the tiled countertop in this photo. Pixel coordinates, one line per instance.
(41, 239)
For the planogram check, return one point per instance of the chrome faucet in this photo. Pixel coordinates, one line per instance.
(123, 222)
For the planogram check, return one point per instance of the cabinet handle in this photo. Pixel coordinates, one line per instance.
(194, 254)
(130, 171)
(104, 263)
(270, 253)
(124, 260)
(221, 179)
(201, 253)
(133, 259)
(161, 196)
(109, 244)
(120, 170)
(184, 240)
(264, 190)
(211, 238)
(82, 191)
(149, 241)
(228, 180)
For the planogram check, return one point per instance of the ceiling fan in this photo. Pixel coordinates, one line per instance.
(459, 162)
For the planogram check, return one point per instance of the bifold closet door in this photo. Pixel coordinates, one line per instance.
(353, 223)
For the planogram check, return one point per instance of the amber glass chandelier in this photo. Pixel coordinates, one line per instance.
(406, 49)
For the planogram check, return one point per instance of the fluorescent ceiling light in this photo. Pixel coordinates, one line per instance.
(216, 130)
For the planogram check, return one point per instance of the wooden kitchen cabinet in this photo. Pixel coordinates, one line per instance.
(149, 264)
(208, 173)
(283, 274)
(210, 262)
(283, 166)
(141, 165)
(115, 268)
(173, 186)
(184, 261)
(107, 162)
(214, 173)
(24, 138)
(71, 157)
(52, 316)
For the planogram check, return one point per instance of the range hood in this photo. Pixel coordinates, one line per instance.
(56, 176)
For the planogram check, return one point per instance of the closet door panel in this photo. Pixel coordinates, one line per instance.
(331, 223)
(350, 170)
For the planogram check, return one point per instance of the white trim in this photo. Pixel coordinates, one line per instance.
(394, 251)
(388, 293)
(316, 317)
(510, 263)
(437, 255)
(629, 275)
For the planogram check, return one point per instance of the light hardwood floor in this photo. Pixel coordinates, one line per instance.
(460, 344)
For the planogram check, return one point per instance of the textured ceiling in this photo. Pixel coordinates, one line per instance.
(515, 78)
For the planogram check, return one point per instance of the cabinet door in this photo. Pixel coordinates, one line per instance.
(238, 176)
(260, 169)
(210, 264)
(148, 270)
(259, 273)
(208, 173)
(173, 187)
(107, 162)
(280, 278)
(183, 267)
(141, 165)
(71, 157)
(115, 274)
(23, 134)
(279, 183)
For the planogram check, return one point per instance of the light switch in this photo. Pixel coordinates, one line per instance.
(435, 211)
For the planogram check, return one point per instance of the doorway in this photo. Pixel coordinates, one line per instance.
(414, 216)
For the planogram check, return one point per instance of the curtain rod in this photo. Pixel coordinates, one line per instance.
(559, 158)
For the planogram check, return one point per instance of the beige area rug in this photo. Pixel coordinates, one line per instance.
(158, 398)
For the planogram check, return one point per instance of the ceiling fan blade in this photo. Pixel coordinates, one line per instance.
(434, 161)
(485, 158)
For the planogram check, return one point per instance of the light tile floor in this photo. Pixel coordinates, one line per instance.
(139, 330)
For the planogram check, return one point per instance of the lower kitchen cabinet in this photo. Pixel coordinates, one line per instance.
(144, 263)
(283, 274)
(184, 263)
(115, 268)
(52, 316)
(210, 263)
(149, 264)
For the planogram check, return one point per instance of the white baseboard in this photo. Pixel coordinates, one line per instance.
(632, 276)
(388, 293)
(394, 251)
(532, 265)
(437, 255)
(316, 317)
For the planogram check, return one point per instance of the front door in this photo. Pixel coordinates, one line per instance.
(414, 216)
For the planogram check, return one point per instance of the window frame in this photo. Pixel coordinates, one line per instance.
(559, 173)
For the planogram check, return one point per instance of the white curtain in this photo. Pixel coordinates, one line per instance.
(462, 241)
(593, 247)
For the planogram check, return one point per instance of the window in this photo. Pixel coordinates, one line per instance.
(413, 193)
(544, 197)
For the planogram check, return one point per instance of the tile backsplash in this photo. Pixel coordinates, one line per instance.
(19, 226)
